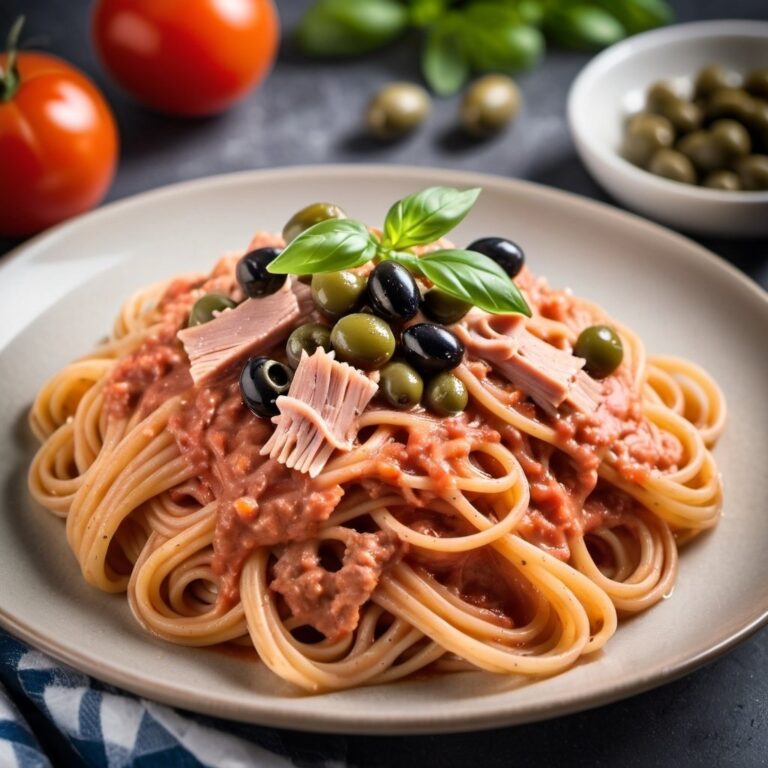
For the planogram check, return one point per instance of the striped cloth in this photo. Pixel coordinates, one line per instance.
(52, 715)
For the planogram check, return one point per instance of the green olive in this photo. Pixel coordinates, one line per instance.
(602, 349)
(756, 83)
(444, 308)
(703, 150)
(731, 102)
(727, 181)
(309, 216)
(733, 137)
(400, 385)
(365, 341)
(685, 116)
(753, 172)
(647, 133)
(659, 94)
(337, 293)
(446, 395)
(758, 125)
(489, 104)
(205, 306)
(673, 165)
(307, 338)
(710, 79)
(397, 109)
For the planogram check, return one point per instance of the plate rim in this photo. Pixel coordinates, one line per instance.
(439, 722)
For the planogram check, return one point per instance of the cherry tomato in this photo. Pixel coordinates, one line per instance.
(58, 142)
(186, 57)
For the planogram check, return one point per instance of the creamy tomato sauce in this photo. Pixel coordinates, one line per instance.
(262, 503)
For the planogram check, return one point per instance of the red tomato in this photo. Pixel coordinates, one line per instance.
(58, 145)
(186, 57)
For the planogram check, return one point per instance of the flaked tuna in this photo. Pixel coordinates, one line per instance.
(252, 327)
(548, 375)
(319, 414)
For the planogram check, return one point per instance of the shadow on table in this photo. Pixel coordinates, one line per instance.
(654, 728)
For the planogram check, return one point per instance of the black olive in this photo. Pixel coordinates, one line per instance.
(431, 348)
(252, 273)
(392, 292)
(262, 381)
(508, 255)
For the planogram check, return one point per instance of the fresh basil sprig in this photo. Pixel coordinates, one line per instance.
(461, 37)
(327, 247)
(350, 27)
(418, 219)
(426, 216)
(469, 276)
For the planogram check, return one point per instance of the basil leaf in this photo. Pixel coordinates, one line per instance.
(338, 28)
(496, 38)
(422, 13)
(327, 247)
(583, 27)
(443, 62)
(639, 15)
(426, 216)
(471, 277)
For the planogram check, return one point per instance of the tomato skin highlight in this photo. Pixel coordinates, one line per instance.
(58, 145)
(186, 57)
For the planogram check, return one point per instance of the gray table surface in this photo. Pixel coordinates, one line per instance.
(309, 113)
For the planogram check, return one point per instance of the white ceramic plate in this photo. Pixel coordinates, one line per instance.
(58, 295)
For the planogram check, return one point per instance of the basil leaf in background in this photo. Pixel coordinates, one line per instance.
(350, 27)
(471, 277)
(327, 247)
(426, 216)
(422, 13)
(496, 39)
(583, 27)
(443, 61)
(639, 15)
(531, 11)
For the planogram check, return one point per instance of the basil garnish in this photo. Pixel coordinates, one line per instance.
(471, 277)
(418, 219)
(327, 247)
(426, 216)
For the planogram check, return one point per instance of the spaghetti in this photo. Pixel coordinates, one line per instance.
(507, 538)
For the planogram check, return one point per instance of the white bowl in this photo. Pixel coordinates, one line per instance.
(613, 85)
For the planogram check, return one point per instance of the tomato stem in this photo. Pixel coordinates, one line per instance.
(9, 79)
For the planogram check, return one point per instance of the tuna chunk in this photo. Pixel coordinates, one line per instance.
(548, 375)
(319, 413)
(303, 294)
(330, 601)
(252, 327)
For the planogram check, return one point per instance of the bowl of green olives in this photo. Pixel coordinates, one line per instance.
(674, 124)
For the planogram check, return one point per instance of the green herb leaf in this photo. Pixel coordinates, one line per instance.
(327, 247)
(471, 277)
(443, 61)
(639, 15)
(422, 13)
(496, 39)
(583, 27)
(337, 28)
(426, 216)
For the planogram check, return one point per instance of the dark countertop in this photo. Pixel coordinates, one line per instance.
(311, 114)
